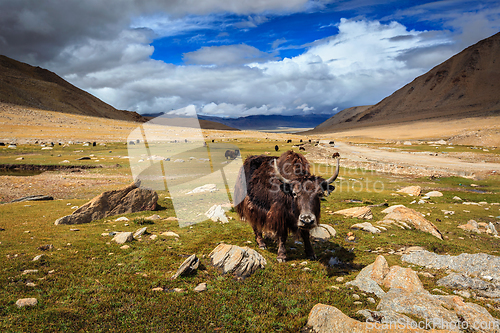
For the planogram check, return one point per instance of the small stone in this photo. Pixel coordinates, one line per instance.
(355, 297)
(123, 237)
(171, 218)
(26, 302)
(170, 234)
(371, 300)
(357, 303)
(306, 269)
(124, 247)
(140, 232)
(74, 229)
(178, 290)
(201, 287)
(153, 217)
(153, 237)
(339, 279)
(189, 266)
(38, 257)
(123, 218)
(29, 271)
(157, 289)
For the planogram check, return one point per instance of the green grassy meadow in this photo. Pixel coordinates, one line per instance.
(86, 283)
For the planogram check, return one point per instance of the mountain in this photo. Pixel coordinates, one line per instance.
(158, 118)
(26, 85)
(466, 85)
(269, 122)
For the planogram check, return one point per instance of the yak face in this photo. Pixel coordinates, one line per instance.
(306, 195)
(306, 192)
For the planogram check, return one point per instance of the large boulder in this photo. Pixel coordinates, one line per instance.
(358, 212)
(240, 261)
(130, 199)
(413, 218)
(328, 319)
(411, 190)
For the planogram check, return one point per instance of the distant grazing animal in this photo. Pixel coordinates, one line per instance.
(278, 195)
(300, 140)
(302, 148)
(288, 141)
(276, 148)
(232, 154)
(331, 143)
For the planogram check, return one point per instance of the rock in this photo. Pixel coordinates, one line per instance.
(358, 212)
(204, 188)
(140, 232)
(217, 213)
(392, 208)
(153, 237)
(153, 217)
(189, 266)
(157, 289)
(411, 190)
(471, 225)
(130, 199)
(170, 234)
(201, 287)
(457, 198)
(403, 278)
(83, 158)
(329, 228)
(34, 198)
(320, 233)
(122, 219)
(125, 247)
(479, 264)
(240, 261)
(172, 218)
(492, 228)
(30, 284)
(46, 247)
(366, 226)
(355, 297)
(433, 194)
(38, 257)
(328, 319)
(29, 271)
(461, 281)
(386, 317)
(123, 237)
(415, 219)
(19, 158)
(26, 302)
(365, 280)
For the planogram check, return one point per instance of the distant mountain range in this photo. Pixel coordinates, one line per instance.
(466, 85)
(270, 122)
(26, 85)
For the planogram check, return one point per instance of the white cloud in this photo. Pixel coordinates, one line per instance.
(361, 65)
(226, 55)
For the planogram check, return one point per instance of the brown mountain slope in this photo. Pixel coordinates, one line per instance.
(25, 85)
(466, 85)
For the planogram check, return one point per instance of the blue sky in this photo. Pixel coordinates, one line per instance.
(238, 58)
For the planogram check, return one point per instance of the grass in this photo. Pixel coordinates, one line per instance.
(88, 284)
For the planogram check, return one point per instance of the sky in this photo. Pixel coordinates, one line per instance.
(243, 57)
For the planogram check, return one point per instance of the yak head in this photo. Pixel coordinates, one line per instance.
(306, 191)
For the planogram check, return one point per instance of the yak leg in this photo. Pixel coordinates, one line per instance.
(259, 239)
(307, 244)
(281, 247)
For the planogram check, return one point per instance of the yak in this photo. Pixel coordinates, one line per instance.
(232, 154)
(276, 148)
(279, 195)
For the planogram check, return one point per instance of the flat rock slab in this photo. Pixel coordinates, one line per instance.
(130, 199)
(479, 264)
(411, 190)
(240, 261)
(366, 226)
(414, 219)
(190, 265)
(323, 232)
(140, 232)
(358, 212)
(34, 198)
(328, 319)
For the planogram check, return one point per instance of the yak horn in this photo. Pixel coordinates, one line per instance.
(278, 174)
(332, 178)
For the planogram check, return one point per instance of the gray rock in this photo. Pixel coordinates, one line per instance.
(34, 198)
(123, 237)
(127, 200)
(201, 287)
(492, 228)
(320, 233)
(38, 257)
(140, 232)
(366, 226)
(386, 317)
(240, 261)
(26, 302)
(479, 264)
(189, 266)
